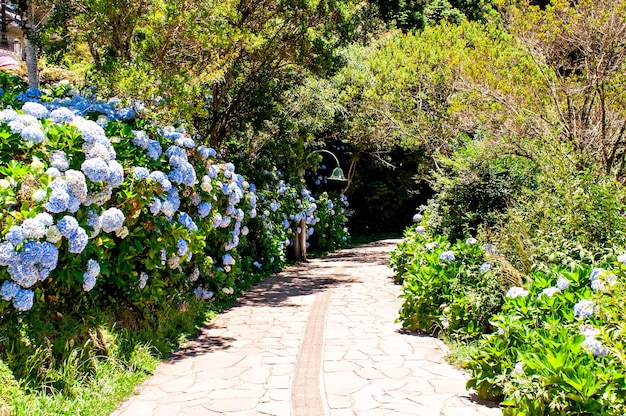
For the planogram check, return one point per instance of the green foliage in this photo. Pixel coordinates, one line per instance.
(567, 362)
(570, 216)
(452, 296)
(475, 190)
(409, 15)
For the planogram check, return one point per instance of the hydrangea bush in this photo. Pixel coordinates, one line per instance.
(448, 289)
(551, 344)
(102, 204)
(558, 345)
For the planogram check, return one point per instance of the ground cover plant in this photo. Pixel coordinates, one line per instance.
(115, 232)
(551, 342)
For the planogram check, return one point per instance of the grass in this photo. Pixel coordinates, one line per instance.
(88, 363)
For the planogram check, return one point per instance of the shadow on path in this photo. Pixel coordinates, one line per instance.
(301, 279)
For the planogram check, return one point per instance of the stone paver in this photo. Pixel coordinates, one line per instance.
(318, 339)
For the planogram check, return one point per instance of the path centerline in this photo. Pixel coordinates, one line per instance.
(306, 399)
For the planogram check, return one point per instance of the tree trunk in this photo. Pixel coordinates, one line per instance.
(30, 49)
(31, 63)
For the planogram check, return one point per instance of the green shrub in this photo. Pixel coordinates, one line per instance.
(558, 345)
(448, 289)
(571, 217)
(474, 192)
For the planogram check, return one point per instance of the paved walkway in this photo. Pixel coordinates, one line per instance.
(318, 339)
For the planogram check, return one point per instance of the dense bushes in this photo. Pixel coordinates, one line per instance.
(553, 343)
(129, 211)
(110, 220)
(544, 323)
(474, 190)
(448, 289)
(558, 345)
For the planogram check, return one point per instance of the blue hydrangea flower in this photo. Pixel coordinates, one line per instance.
(228, 260)
(204, 209)
(93, 267)
(62, 114)
(98, 149)
(76, 184)
(173, 198)
(89, 281)
(161, 178)
(39, 195)
(207, 152)
(126, 113)
(24, 274)
(584, 308)
(168, 209)
(8, 115)
(420, 229)
(562, 283)
(417, 217)
(112, 220)
(90, 130)
(213, 171)
(9, 289)
(447, 255)
(30, 253)
(33, 228)
(44, 218)
(516, 292)
(141, 139)
(67, 226)
(143, 280)
(140, 172)
(33, 134)
(186, 220)
(182, 247)
(201, 293)
(175, 176)
(35, 109)
(485, 267)
(116, 176)
(595, 347)
(154, 149)
(58, 201)
(78, 241)
(257, 264)
(15, 235)
(549, 291)
(33, 93)
(49, 255)
(23, 300)
(96, 169)
(8, 255)
(186, 142)
(155, 207)
(471, 241)
(16, 126)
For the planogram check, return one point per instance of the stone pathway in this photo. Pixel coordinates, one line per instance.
(318, 339)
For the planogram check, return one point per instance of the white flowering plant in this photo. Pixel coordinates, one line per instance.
(448, 289)
(331, 217)
(567, 331)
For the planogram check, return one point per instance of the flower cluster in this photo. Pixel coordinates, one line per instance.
(447, 255)
(88, 189)
(516, 292)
